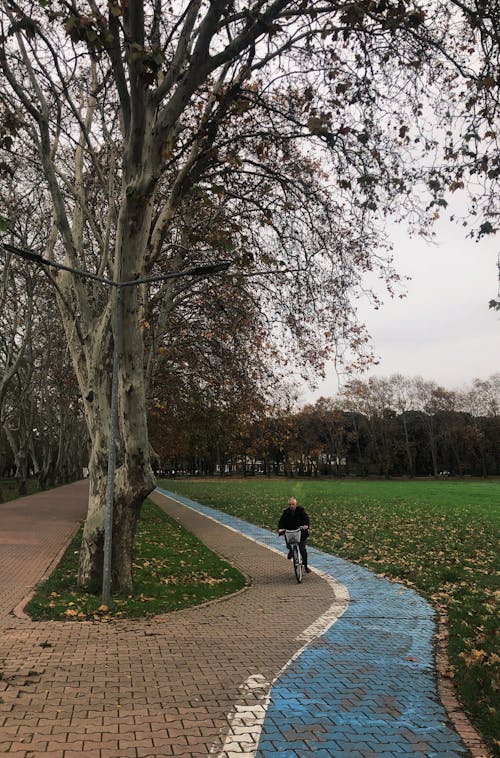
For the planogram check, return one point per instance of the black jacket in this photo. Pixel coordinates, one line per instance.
(293, 519)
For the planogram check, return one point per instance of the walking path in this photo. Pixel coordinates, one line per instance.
(338, 666)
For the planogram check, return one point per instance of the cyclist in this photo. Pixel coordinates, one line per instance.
(292, 518)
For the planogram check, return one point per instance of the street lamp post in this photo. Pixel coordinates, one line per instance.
(110, 484)
(205, 270)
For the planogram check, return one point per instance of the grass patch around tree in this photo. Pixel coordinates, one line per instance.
(439, 537)
(172, 570)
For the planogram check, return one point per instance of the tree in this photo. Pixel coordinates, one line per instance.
(482, 404)
(16, 314)
(60, 449)
(472, 149)
(330, 426)
(374, 399)
(210, 379)
(402, 393)
(40, 411)
(131, 112)
(40, 407)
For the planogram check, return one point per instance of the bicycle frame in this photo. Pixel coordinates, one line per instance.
(292, 538)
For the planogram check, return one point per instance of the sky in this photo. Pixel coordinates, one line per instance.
(443, 330)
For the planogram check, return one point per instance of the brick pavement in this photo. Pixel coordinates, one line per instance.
(254, 674)
(158, 687)
(32, 532)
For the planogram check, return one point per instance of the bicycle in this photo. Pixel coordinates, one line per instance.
(292, 538)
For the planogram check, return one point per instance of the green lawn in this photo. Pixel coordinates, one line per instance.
(9, 488)
(440, 537)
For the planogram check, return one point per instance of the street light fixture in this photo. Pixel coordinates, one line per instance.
(206, 270)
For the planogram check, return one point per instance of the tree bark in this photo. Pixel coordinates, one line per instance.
(134, 478)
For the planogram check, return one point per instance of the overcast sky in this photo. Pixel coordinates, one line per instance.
(443, 330)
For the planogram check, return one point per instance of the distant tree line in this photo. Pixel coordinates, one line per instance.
(386, 427)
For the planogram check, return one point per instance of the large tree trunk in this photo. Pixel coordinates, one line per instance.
(130, 492)
(134, 478)
(90, 567)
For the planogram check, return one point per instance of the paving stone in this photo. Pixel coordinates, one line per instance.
(196, 682)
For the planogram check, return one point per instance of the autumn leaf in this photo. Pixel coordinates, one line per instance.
(474, 658)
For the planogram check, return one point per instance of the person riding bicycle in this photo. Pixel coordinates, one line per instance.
(294, 517)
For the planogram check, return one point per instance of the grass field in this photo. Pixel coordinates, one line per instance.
(9, 488)
(440, 537)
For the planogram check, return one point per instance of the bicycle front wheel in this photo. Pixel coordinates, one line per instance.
(297, 564)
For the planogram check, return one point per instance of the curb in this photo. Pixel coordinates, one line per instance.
(447, 694)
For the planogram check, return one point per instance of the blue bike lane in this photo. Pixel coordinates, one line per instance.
(365, 687)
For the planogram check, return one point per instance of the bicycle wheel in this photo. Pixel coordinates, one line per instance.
(297, 563)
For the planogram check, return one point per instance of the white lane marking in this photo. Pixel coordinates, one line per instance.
(246, 721)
